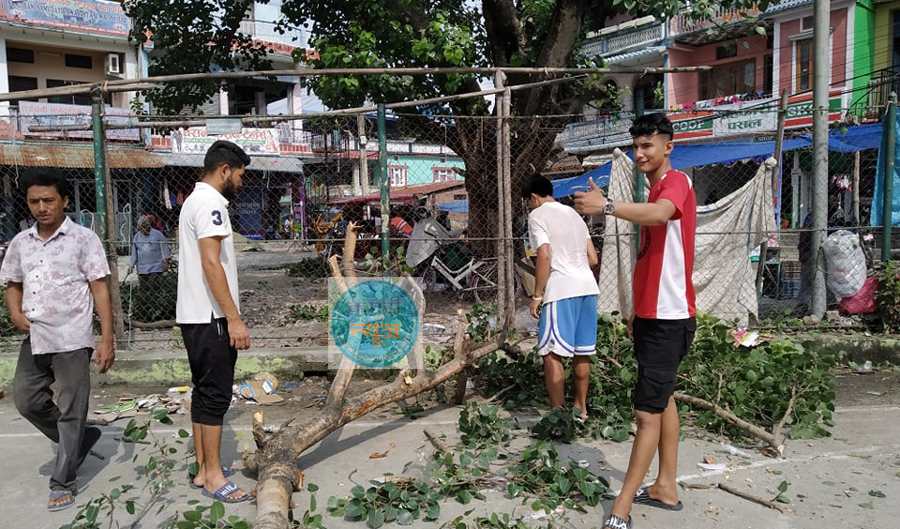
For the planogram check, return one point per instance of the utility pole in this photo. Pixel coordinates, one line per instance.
(821, 76)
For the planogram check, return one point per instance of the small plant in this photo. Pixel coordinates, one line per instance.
(155, 301)
(402, 500)
(464, 475)
(388, 265)
(494, 521)
(481, 425)
(482, 322)
(781, 497)
(7, 328)
(308, 520)
(309, 313)
(553, 483)
(310, 267)
(561, 424)
(887, 297)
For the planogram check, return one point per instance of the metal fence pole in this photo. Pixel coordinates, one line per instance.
(821, 77)
(363, 154)
(508, 255)
(502, 191)
(106, 212)
(385, 182)
(890, 151)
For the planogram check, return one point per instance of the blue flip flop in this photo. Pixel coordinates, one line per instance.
(57, 494)
(226, 471)
(222, 493)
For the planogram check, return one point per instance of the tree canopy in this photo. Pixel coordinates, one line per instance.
(197, 35)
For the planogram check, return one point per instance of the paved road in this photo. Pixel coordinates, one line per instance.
(830, 479)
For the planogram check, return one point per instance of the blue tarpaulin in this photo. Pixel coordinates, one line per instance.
(850, 139)
(875, 218)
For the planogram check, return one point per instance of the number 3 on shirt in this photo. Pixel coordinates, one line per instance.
(217, 217)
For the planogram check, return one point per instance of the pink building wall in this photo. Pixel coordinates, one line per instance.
(685, 87)
(838, 51)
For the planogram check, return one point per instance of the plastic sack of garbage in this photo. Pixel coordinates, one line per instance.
(845, 263)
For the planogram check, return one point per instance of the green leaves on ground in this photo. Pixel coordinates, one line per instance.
(482, 425)
(403, 501)
(756, 384)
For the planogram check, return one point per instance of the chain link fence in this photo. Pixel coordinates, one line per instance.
(309, 179)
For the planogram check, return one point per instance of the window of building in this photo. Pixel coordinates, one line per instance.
(803, 71)
(728, 79)
(807, 23)
(75, 99)
(19, 55)
(398, 175)
(768, 74)
(443, 174)
(19, 84)
(725, 52)
(79, 61)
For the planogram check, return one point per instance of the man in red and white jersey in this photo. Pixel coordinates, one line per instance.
(662, 323)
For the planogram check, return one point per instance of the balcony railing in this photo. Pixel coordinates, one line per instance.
(882, 83)
(683, 23)
(265, 31)
(605, 45)
(609, 131)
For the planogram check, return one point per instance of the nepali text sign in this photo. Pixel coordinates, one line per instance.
(57, 114)
(89, 16)
(195, 140)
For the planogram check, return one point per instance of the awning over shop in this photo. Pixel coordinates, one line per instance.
(280, 164)
(851, 139)
(75, 156)
(455, 206)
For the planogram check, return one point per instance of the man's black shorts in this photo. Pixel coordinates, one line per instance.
(212, 360)
(659, 345)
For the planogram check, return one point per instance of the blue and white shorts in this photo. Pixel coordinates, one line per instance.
(568, 327)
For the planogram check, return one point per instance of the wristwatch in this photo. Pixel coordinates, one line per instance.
(609, 207)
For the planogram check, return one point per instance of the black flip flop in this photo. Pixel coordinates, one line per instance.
(642, 497)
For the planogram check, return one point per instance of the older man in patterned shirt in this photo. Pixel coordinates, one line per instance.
(55, 273)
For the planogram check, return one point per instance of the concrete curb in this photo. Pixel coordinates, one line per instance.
(172, 369)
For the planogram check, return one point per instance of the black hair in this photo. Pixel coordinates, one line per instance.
(44, 177)
(649, 124)
(537, 184)
(224, 153)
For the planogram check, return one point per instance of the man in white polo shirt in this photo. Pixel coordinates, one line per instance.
(208, 310)
(56, 273)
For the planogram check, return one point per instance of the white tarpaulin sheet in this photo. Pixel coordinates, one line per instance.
(727, 231)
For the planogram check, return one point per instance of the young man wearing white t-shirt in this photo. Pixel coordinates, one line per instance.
(662, 323)
(563, 281)
(208, 310)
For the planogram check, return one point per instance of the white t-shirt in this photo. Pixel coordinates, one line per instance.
(204, 214)
(565, 231)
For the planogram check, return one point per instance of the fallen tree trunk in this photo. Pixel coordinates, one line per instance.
(275, 460)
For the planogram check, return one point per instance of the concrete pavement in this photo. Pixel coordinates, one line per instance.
(830, 479)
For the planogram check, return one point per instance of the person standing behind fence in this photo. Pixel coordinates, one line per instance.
(564, 282)
(56, 274)
(662, 323)
(150, 253)
(208, 310)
